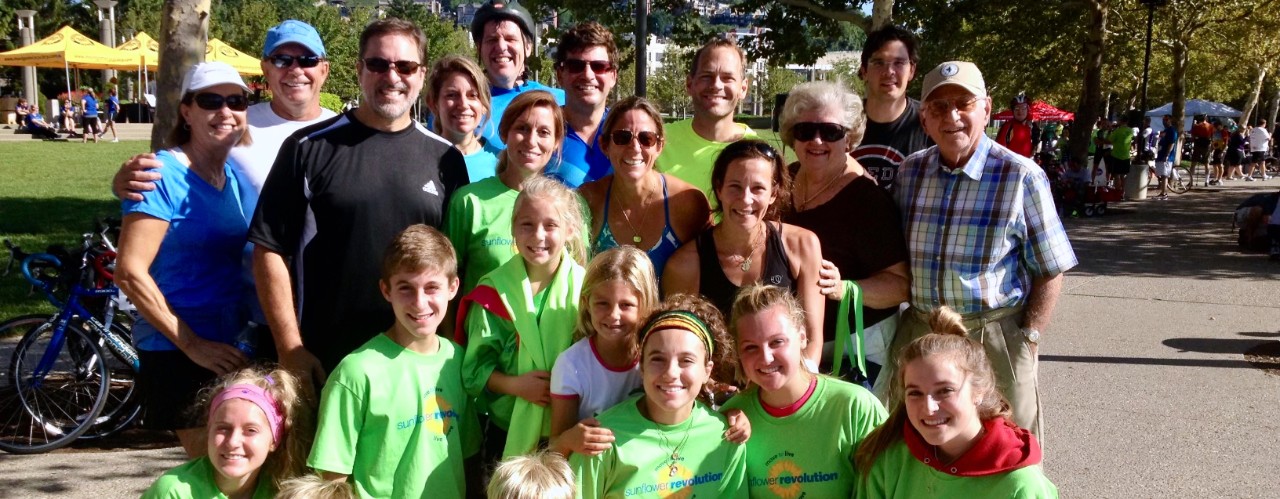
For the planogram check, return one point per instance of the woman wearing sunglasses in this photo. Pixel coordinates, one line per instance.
(750, 244)
(180, 253)
(478, 221)
(855, 220)
(636, 205)
(458, 96)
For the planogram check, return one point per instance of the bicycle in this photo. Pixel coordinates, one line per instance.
(1180, 181)
(61, 384)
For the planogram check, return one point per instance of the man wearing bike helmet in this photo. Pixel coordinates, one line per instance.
(504, 35)
(1016, 133)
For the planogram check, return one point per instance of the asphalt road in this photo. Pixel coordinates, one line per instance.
(1148, 392)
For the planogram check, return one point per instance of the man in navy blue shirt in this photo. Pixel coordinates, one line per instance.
(586, 64)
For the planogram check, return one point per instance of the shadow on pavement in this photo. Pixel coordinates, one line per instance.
(77, 475)
(1151, 361)
(1188, 235)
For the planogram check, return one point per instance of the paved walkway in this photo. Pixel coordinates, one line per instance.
(1147, 391)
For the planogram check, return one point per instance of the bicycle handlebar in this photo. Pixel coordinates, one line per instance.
(39, 257)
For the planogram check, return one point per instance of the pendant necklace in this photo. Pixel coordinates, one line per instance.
(802, 205)
(744, 262)
(675, 452)
(635, 234)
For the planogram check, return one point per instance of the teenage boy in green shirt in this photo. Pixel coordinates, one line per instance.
(394, 418)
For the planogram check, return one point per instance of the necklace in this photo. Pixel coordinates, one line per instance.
(801, 205)
(635, 234)
(744, 262)
(675, 451)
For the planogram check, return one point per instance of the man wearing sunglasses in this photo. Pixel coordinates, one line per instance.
(889, 61)
(503, 33)
(585, 64)
(339, 192)
(983, 236)
(717, 83)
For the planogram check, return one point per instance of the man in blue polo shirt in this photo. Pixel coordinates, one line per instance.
(504, 38)
(586, 64)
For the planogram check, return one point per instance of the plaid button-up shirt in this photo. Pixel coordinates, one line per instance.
(978, 235)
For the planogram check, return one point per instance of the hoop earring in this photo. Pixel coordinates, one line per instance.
(186, 126)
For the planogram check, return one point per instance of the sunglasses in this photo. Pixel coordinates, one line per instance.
(578, 65)
(380, 65)
(214, 102)
(624, 138)
(939, 107)
(830, 132)
(283, 61)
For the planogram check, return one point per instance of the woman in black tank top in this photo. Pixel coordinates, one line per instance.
(749, 244)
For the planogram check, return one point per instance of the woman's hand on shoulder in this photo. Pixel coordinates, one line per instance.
(587, 437)
(739, 426)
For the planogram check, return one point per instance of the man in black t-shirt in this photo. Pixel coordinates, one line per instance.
(338, 193)
(893, 130)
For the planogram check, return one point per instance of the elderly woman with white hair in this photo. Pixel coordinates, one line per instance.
(856, 221)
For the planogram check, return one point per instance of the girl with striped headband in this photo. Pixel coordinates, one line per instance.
(667, 441)
(259, 432)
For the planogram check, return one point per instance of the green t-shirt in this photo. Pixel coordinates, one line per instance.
(478, 224)
(786, 458)
(1121, 140)
(898, 474)
(397, 421)
(690, 157)
(638, 465)
(195, 480)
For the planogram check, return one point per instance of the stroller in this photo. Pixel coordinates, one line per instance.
(1076, 197)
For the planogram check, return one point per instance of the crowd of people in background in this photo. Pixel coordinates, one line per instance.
(96, 117)
(562, 298)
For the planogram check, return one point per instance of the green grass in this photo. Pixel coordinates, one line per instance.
(50, 193)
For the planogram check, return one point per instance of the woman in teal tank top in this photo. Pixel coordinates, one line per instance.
(637, 205)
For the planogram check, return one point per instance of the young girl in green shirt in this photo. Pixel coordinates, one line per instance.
(259, 432)
(949, 433)
(520, 317)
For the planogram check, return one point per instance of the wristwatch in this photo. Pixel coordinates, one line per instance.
(1032, 335)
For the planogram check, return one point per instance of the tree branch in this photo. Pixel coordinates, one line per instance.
(850, 16)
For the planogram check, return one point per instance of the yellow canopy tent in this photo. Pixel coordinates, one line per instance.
(218, 50)
(67, 49)
(144, 50)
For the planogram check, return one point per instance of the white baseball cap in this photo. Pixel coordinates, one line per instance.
(960, 73)
(208, 74)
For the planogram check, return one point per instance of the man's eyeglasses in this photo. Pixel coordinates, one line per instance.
(576, 66)
(624, 138)
(283, 61)
(881, 64)
(214, 102)
(830, 132)
(380, 65)
(939, 107)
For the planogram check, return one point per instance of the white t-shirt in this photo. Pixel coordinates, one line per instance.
(268, 131)
(1259, 139)
(579, 373)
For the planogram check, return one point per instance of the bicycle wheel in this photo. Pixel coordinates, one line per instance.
(56, 385)
(1181, 180)
(123, 403)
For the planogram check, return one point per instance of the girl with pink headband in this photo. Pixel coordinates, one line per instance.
(259, 430)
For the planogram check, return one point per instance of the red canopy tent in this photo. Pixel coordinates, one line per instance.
(1040, 111)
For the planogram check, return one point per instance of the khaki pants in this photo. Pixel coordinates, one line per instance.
(1000, 333)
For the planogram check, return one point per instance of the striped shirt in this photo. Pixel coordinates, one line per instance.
(979, 234)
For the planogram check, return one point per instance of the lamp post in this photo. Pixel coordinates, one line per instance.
(642, 47)
(27, 32)
(107, 29)
(1146, 63)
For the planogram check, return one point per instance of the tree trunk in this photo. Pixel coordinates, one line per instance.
(1094, 44)
(184, 28)
(1179, 83)
(1253, 95)
(881, 14)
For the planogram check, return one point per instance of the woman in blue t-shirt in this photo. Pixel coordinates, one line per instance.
(180, 254)
(89, 119)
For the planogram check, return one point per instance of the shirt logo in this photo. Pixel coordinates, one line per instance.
(430, 187)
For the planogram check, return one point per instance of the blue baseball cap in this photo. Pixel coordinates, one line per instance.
(293, 31)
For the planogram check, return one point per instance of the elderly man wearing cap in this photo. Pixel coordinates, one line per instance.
(339, 192)
(982, 234)
(504, 35)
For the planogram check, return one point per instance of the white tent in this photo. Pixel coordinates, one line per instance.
(1193, 107)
